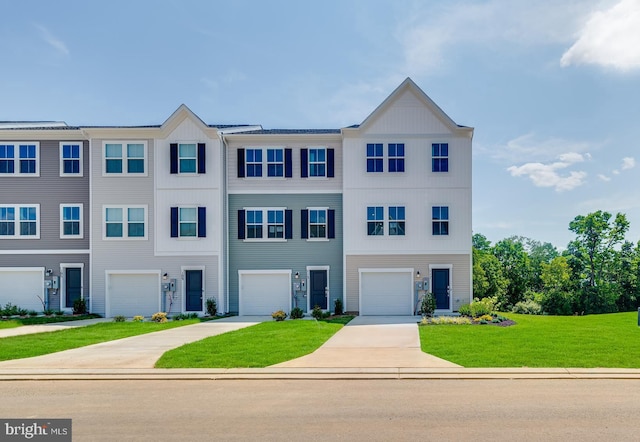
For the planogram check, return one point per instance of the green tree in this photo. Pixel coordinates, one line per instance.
(488, 280)
(516, 268)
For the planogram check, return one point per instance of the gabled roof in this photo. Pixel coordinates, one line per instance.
(408, 84)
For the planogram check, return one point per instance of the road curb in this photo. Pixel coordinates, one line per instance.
(316, 374)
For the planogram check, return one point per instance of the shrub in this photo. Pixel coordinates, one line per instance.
(465, 310)
(33, 313)
(118, 318)
(24, 312)
(338, 308)
(48, 312)
(10, 310)
(58, 313)
(296, 313)
(445, 320)
(483, 319)
(484, 306)
(316, 312)
(138, 318)
(159, 317)
(212, 306)
(428, 304)
(530, 307)
(79, 307)
(279, 315)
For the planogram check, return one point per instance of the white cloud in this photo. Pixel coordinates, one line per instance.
(547, 175)
(53, 41)
(528, 147)
(609, 38)
(604, 177)
(628, 163)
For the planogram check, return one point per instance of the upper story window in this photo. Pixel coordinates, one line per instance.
(71, 221)
(70, 158)
(317, 162)
(375, 220)
(125, 222)
(19, 158)
(375, 158)
(188, 222)
(440, 220)
(126, 158)
(252, 161)
(440, 157)
(187, 158)
(317, 223)
(254, 222)
(396, 157)
(20, 221)
(396, 220)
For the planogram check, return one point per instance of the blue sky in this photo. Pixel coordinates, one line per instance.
(551, 87)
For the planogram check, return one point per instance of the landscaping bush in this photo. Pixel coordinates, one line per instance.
(33, 313)
(10, 310)
(338, 308)
(138, 318)
(316, 312)
(159, 317)
(480, 307)
(296, 313)
(279, 315)
(529, 307)
(212, 307)
(119, 318)
(428, 305)
(79, 307)
(446, 320)
(465, 310)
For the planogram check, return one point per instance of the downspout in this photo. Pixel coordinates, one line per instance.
(225, 222)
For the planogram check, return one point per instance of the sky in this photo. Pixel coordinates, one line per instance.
(552, 87)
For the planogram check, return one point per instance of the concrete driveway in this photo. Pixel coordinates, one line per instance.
(372, 342)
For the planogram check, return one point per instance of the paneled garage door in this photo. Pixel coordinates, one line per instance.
(386, 292)
(131, 294)
(21, 286)
(264, 293)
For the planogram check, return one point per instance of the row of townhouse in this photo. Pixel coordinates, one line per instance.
(137, 220)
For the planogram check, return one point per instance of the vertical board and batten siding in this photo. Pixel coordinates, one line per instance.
(295, 254)
(49, 190)
(461, 273)
(267, 184)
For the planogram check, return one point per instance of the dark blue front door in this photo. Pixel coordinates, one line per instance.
(73, 285)
(317, 288)
(193, 290)
(440, 282)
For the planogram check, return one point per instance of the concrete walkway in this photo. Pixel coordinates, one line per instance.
(372, 342)
(134, 352)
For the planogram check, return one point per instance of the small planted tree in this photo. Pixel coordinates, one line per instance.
(212, 306)
(428, 305)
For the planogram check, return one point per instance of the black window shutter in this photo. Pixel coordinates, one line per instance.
(288, 173)
(202, 222)
(330, 163)
(331, 221)
(304, 223)
(202, 158)
(241, 163)
(288, 224)
(174, 222)
(304, 163)
(173, 150)
(241, 224)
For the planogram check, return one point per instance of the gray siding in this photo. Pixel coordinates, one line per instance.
(295, 254)
(49, 190)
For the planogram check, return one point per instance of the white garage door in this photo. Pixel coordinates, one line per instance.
(386, 292)
(133, 294)
(264, 293)
(21, 287)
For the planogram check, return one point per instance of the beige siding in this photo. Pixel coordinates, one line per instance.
(461, 271)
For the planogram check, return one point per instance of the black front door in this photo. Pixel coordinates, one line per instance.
(73, 285)
(440, 278)
(193, 290)
(318, 288)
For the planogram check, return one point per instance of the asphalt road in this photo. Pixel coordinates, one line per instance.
(312, 410)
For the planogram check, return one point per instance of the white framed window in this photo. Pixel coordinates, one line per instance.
(19, 221)
(396, 221)
(317, 162)
(187, 157)
(440, 220)
(317, 223)
(125, 222)
(125, 158)
(265, 224)
(71, 225)
(71, 158)
(19, 158)
(275, 162)
(275, 224)
(254, 162)
(375, 220)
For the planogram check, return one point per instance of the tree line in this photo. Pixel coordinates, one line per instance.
(598, 272)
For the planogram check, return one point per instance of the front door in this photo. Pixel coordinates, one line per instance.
(440, 278)
(73, 285)
(193, 290)
(318, 288)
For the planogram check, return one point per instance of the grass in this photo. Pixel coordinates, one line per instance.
(38, 344)
(606, 341)
(260, 345)
(35, 320)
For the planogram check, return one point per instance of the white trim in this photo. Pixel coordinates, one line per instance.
(443, 267)
(325, 162)
(80, 173)
(124, 158)
(125, 221)
(265, 224)
(16, 159)
(262, 272)
(195, 172)
(46, 252)
(81, 234)
(264, 191)
(107, 296)
(16, 221)
(328, 290)
(411, 271)
(326, 225)
(183, 291)
(63, 283)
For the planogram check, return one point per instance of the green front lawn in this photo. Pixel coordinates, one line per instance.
(608, 341)
(26, 346)
(37, 320)
(260, 345)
